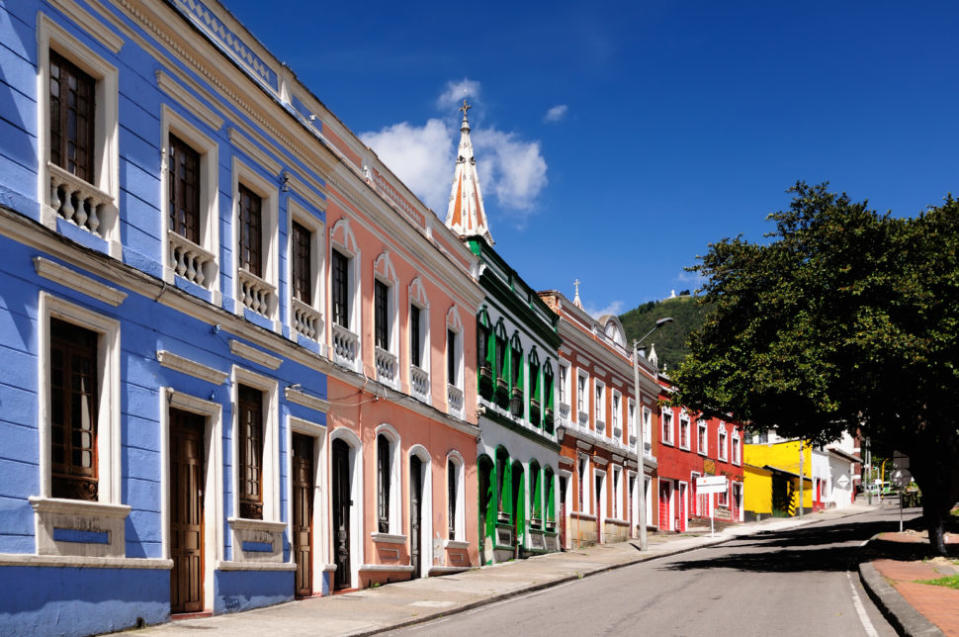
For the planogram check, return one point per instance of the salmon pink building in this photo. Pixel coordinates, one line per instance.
(600, 452)
(691, 447)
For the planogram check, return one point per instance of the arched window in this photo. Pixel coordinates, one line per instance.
(535, 495)
(550, 488)
(516, 375)
(548, 398)
(387, 480)
(455, 495)
(484, 357)
(534, 389)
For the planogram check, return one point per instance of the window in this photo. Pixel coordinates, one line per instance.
(302, 243)
(617, 414)
(250, 408)
(77, 134)
(74, 410)
(667, 426)
(71, 118)
(416, 355)
(548, 397)
(701, 438)
(631, 419)
(617, 494)
(383, 475)
(722, 442)
(341, 283)
(184, 189)
(451, 493)
(684, 431)
(563, 384)
(452, 356)
(581, 399)
(599, 406)
(722, 498)
(648, 431)
(736, 448)
(535, 411)
(583, 471)
(250, 248)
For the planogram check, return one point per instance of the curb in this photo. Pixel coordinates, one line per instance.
(569, 578)
(904, 618)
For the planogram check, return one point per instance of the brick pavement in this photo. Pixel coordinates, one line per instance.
(939, 604)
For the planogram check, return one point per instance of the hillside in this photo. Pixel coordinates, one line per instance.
(670, 340)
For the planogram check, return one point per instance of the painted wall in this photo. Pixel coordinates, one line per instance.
(758, 496)
(785, 456)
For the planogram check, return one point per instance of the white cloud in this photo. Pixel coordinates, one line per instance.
(694, 278)
(556, 113)
(613, 308)
(421, 156)
(511, 169)
(456, 92)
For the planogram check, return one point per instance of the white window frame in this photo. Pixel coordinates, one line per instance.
(702, 449)
(616, 404)
(666, 420)
(106, 161)
(694, 502)
(416, 294)
(583, 475)
(647, 415)
(300, 214)
(455, 458)
(722, 439)
(271, 443)
(599, 407)
(582, 398)
(357, 494)
(684, 419)
(385, 273)
(631, 419)
(173, 123)
(617, 512)
(269, 209)
(107, 512)
(563, 383)
(426, 507)
(396, 487)
(736, 449)
(348, 247)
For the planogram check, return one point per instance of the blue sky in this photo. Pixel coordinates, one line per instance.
(673, 124)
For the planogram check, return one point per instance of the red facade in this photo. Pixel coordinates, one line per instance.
(689, 448)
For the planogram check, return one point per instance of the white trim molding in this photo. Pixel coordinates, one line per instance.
(75, 281)
(251, 353)
(191, 368)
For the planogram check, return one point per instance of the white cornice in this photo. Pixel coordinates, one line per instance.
(76, 281)
(253, 354)
(90, 24)
(192, 368)
(176, 90)
(306, 400)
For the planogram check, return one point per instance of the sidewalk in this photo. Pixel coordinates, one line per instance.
(893, 579)
(375, 610)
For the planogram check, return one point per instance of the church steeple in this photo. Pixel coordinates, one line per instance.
(466, 215)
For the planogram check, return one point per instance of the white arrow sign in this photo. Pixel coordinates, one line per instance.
(712, 484)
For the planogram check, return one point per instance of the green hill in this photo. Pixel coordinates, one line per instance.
(670, 340)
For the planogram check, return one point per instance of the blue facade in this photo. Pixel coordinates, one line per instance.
(181, 341)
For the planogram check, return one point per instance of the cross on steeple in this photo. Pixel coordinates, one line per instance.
(576, 300)
(465, 107)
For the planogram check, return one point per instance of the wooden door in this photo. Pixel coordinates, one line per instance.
(562, 512)
(664, 506)
(341, 514)
(303, 489)
(416, 514)
(186, 511)
(681, 504)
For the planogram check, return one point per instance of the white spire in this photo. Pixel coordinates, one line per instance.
(466, 215)
(576, 300)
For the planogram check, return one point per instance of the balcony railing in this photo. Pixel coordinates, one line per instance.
(583, 419)
(190, 261)
(257, 294)
(345, 346)
(385, 366)
(306, 320)
(601, 427)
(564, 412)
(420, 383)
(80, 203)
(454, 399)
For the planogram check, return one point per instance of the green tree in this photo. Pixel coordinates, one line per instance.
(843, 319)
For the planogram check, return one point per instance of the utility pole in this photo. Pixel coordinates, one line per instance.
(640, 444)
(802, 478)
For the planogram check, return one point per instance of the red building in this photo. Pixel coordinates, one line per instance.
(691, 448)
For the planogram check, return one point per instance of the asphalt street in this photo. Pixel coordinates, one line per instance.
(799, 582)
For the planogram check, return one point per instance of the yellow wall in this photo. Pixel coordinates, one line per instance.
(785, 456)
(757, 490)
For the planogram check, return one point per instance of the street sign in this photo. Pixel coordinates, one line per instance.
(711, 484)
(901, 478)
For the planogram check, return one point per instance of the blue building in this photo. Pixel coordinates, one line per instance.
(163, 387)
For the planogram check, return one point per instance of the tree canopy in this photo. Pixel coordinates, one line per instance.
(843, 319)
(670, 342)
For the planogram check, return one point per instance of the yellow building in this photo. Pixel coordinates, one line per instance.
(771, 478)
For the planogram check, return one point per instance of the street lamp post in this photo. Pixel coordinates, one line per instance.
(640, 450)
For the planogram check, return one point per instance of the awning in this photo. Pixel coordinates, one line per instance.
(791, 474)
